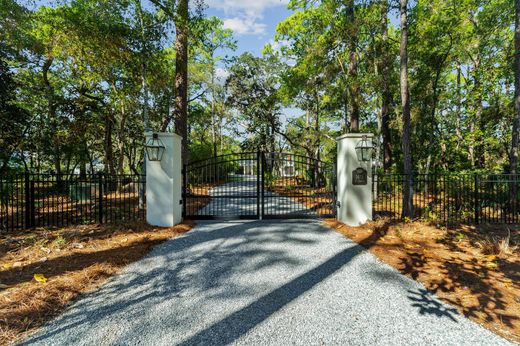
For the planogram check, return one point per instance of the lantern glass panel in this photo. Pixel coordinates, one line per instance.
(364, 150)
(154, 149)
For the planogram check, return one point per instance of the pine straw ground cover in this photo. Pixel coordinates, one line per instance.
(475, 269)
(43, 270)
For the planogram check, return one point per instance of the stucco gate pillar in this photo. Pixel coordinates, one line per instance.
(164, 183)
(354, 181)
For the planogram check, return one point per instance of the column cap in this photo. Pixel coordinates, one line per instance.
(161, 134)
(355, 135)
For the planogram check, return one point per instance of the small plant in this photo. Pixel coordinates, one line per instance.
(59, 241)
(86, 221)
(428, 214)
(459, 236)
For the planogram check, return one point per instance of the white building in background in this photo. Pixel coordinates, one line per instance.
(248, 167)
(288, 168)
(97, 166)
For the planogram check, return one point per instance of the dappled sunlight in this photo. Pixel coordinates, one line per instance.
(451, 264)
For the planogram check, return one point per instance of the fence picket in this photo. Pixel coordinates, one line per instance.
(49, 200)
(450, 198)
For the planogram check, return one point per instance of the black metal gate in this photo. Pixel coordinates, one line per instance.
(259, 185)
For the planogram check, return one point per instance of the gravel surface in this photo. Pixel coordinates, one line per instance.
(288, 282)
(239, 198)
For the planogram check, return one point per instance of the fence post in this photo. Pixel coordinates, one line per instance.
(33, 206)
(27, 200)
(412, 192)
(258, 187)
(262, 177)
(184, 190)
(100, 197)
(476, 198)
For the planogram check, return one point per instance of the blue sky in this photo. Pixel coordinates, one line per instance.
(252, 21)
(254, 25)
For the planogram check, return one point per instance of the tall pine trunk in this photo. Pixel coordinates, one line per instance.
(213, 120)
(405, 103)
(386, 95)
(108, 146)
(353, 86)
(513, 157)
(181, 76)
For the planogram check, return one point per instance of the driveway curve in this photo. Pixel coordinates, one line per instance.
(290, 282)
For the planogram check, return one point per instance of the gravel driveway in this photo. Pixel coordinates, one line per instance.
(261, 283)
(240, 198)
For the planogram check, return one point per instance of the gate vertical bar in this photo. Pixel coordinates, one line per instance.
(258, 184)
(334, 192)
(262, 160)
(184, 189)
(32, 205)
(100, 197)
(27, 201)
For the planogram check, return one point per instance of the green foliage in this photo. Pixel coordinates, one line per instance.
(461, 77)
(80, 81)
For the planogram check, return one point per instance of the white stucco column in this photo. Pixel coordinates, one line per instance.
(164, 183)
(354, 195)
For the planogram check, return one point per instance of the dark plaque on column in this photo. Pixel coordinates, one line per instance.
(359, 176)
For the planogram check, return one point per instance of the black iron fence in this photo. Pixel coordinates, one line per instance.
(451, 198)
(47, 200)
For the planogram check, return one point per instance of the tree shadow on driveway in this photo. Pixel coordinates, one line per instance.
(202, 264)
(237, 324)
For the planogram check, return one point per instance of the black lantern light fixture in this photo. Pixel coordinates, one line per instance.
(154, 148)
(364, 150)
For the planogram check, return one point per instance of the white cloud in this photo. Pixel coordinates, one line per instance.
(244, 26)
(244, 17)
(221, 73)
(247, 6)
(277, 45)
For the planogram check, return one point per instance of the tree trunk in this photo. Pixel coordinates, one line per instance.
(181, 76)
(121, 139)
(458, 131)
(473, 150)
(386, 96)
(513, 157)
(51, 114)
(109, 150)
(405, 103)
(213, 120)
(144, 87)
(353, 85)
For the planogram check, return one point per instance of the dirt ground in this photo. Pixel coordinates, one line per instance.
(475, 269)
(43, 270)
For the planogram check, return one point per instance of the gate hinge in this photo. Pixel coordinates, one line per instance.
(180, 201)
(338, 204)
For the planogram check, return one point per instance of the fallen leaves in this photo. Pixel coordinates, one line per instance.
(48, 275)
(412, 246)
(40, 278)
